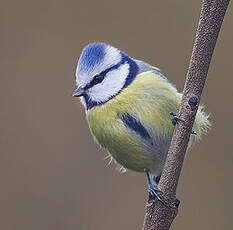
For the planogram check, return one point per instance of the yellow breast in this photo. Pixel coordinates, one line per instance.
(150, 98)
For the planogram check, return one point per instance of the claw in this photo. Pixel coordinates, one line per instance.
(175, 118)
(153, 193)
(173, 113)
(152, 190)
(194, 132)
(177, 203)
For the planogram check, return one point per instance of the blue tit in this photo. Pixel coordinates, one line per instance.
(127, 103)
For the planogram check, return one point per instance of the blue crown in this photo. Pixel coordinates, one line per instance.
(92, 55)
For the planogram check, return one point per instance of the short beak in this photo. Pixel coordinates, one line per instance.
(78, 92)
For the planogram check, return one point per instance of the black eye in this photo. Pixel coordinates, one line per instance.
(98, 79)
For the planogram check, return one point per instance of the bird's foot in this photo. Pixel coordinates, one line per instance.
(194, 132)
(154, 194)
(175, 119)
(154, 191)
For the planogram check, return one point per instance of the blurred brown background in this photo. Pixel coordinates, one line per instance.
(52, 174)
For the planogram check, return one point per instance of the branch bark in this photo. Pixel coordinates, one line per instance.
(159, 216)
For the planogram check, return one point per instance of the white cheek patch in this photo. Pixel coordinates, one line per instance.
(111, 85)
(82, 99)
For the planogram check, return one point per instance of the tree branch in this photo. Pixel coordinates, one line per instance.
(159, 216)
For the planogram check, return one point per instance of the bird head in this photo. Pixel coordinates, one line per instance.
(102, 72)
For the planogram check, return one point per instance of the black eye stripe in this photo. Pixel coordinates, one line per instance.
(100, 77)
(96, 80)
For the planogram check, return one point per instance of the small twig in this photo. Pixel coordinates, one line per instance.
(157, 215)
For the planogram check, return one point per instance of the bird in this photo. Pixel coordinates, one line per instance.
(128, 105)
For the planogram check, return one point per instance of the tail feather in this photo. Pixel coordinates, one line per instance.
(202, 123)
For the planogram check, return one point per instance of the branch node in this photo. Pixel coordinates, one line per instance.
(193, 101)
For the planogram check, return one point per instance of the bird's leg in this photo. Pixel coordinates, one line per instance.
(152, 190)
(156, 179)
(175, 119)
